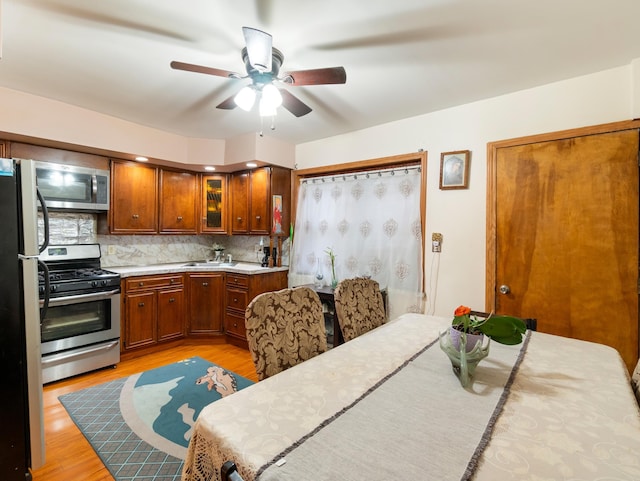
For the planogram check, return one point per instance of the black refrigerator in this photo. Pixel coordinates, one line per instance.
(21, 410)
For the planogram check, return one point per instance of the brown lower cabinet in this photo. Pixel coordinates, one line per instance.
(205, 306)
(161, 308)
(153, 310)
(240, 290)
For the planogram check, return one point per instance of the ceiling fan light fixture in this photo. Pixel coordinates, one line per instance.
(245, 98)
(272, 96)
(267, 109)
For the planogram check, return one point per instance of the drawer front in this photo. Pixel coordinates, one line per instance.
(234, 324)
(136, 283)
(237, 299)
(238, 280)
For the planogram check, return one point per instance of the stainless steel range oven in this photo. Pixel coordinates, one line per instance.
(80, 312)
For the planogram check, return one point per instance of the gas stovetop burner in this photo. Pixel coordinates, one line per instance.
(75, 270)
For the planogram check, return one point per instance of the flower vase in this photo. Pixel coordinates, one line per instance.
(463, 361)
(334, 278)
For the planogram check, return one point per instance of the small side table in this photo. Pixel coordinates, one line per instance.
(325, 293)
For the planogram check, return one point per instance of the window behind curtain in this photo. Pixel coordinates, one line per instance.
(371, 222)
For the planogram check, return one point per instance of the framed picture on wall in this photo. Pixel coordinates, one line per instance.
(277, 215)
(454, 169)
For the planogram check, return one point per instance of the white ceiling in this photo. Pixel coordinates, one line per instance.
(403, 58)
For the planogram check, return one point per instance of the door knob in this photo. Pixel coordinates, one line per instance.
(504, 289)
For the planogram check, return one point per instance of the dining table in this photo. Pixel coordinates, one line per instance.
(388, 405)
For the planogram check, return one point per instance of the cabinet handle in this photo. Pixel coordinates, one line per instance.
(257, 217)
(171, 281)
(172, 300)
(141, 283)
(235, 324)
(239, 219)
(135, 216)
(205, 284)
(179, 218)
(140, 304)
(235, 300)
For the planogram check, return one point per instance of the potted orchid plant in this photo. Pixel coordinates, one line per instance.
(503, 329)
(463, 342)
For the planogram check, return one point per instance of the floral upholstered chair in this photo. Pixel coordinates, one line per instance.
(635, 381)
(284, 328)
(359, 306)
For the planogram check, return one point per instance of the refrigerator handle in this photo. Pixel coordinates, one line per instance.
(45, 243)
(47, 286)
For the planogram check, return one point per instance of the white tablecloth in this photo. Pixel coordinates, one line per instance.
(570, 415)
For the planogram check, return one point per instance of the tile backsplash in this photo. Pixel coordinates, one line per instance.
(133, 250)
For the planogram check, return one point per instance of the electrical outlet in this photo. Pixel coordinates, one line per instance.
(111, 250)
(436, 242)
(257, 249)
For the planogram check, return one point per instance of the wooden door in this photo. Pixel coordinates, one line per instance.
(206, 303)
(260, 215)
(134, 197)
(240, 203)
(214, 204)
(566, 231)
(178, 202)
(140, 319)
(171, 313)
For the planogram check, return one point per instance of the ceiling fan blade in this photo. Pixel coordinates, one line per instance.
(201, 69)
(318, 76)
(293, 104)
(228, 104)
(259, 45)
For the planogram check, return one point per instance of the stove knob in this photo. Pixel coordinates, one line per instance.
(94, 283)
(53, 288)
(105, 282)
(41, 289)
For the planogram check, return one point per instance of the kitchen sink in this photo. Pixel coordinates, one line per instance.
(209, 264)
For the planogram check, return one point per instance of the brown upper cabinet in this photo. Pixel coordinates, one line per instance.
(134, 198)
(178, 202)
(253, 196)
(148, 200)
(214, 204)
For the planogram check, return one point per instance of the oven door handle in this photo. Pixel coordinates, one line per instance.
(68, 355)
(98, 296)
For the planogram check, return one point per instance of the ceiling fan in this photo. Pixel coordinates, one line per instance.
(262, 62)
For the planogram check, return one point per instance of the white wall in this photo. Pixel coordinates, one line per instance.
(460, 215)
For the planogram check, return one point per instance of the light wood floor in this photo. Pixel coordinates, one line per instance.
(69, 456)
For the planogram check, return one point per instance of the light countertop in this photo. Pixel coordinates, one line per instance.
(201, 266)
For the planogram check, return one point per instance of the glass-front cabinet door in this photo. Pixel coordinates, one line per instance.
(214, 204)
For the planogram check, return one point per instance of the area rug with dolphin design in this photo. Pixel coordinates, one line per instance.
(140, 426)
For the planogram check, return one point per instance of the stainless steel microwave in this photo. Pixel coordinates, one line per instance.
(72, 187)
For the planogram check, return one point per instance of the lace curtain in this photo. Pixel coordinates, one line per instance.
(371, 223)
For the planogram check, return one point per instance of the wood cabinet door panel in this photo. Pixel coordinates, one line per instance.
(234, 324)
(206, 303)
(240, 203)
(178, 202)
(171, 314)
(237, 299)
(134, 198)
(259, 215)
(140, 320)
(214, 204)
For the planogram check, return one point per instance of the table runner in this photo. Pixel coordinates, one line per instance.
(254, 425)
(418, 423)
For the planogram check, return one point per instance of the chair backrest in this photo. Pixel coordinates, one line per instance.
(359, 306)
(284, 328)
(635, 381)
